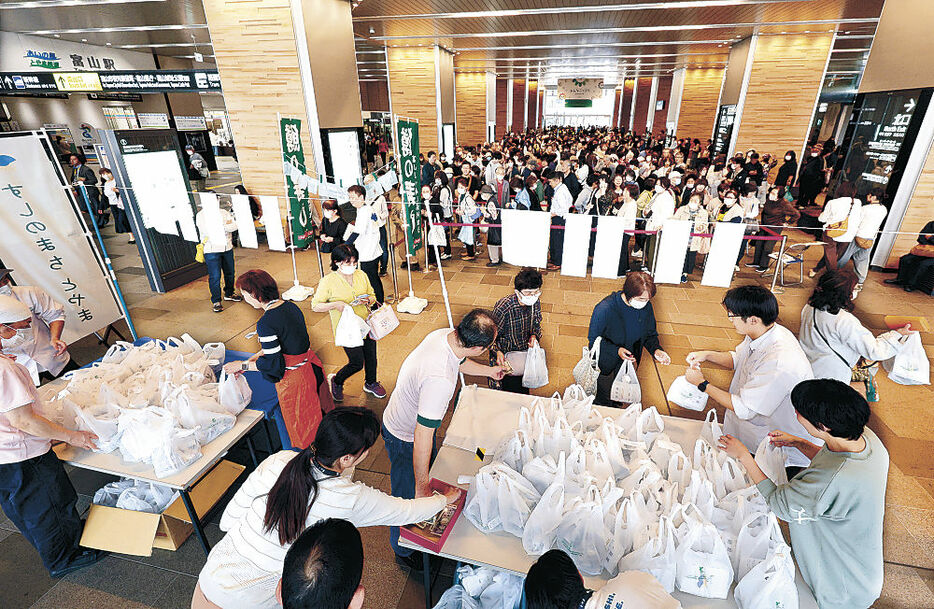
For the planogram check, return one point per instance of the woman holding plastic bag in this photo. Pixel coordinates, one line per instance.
(625, 323)
(291, 491)
(286, 358)
(347, 287)
(835, 506)
(519, 329)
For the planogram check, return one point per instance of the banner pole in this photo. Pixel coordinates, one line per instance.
(391, 233)
(113, 276)
(778, 265)
(297, 292)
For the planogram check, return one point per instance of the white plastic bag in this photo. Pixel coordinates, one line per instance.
(757, 535)
(234, 392)
(142, 431)
(910, 366)
(700, 492)
(108, 494)
(587, 369)
(542, 472)
(769, 584)
(704, 567)
(456, 597)
(215, 353)
(582, 533)
(481, 508)
(657, 556)
(609, 433)
(711, 431)
(542, 525)
(648, 426)
(517, 498)
(663, 449)
(625, 387)
(536, 369)
(351, 329)
(145, 497)
(516, 450)
(177, 449)
(504, 592)
(771, 460)
(102, 420)
(679, 470)
(686, 395)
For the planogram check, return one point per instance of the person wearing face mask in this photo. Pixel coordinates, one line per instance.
(285, 357)
(433, 213)
(333, 227)
(659, 209)
(625, 323)
(810, 178)
(625, 208)
(689, 183)
(289, 492)
(776, 214)
(364, 235)
(382, 215)
(697, 214)
(112, 193)
(518, 327)
(35, 492)
(40, 346)
(468, 212)
(490, 207)
(346, 286)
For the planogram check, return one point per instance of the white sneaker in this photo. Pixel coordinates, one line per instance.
(637, 254)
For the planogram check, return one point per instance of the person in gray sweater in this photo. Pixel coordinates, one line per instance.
(834, 507)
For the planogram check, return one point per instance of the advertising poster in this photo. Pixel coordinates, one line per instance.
(411, 177)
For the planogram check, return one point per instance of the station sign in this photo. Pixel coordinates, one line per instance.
(117, 81)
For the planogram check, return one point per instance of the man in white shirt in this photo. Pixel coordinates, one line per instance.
(424, 388)
(218, 256)
(561, 203)
(767, 365)
(35, 492)
(554, 581)
(364, 235)
(872, 214)
(42, 349)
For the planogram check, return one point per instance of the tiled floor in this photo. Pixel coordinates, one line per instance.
(690, 317)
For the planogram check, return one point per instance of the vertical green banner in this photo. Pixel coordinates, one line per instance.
(299, 204)
(410, 182)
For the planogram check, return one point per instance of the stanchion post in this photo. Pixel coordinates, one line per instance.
(657, 238)
(320, 262)
(778, 263)
(392, 258)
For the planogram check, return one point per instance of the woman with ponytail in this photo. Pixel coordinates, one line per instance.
(289, 492)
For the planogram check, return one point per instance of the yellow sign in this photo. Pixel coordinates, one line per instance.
(78, 81)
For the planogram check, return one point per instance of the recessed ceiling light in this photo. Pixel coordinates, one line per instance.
(84, 40)
(57, 36)
(109, 44)
(372, 31)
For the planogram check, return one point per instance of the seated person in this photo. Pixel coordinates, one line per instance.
(554, 582)
(912, 267)
(835, 506)
(323, 568)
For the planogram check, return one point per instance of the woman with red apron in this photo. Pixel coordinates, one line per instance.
(286, 358)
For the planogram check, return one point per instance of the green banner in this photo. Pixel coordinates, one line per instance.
(410, 182)
(299, 203)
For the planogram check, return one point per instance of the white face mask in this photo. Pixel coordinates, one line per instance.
(462, 191)
(438, 181)
(675, 181)
(527, 300)
(6, 290)
(23, 337)
(788, 158)
(659, 189)
(638, 304)
(773, 197)
(347, 269)
(693, 205)
(729, 201)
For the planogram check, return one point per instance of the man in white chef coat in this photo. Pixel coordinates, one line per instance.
(42, 350)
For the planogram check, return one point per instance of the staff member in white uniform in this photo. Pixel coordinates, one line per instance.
(41, 348)
(424, 388)
(35, 493)
(767, 365)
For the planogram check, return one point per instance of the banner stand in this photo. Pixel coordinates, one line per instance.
(407, 158)
(297, 292)
(113, 276)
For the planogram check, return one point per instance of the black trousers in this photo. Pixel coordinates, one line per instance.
(513, 384)
(359, 358)
(762, 250)
(556, 242)
(47, 376)
(37, 496)
(371, 269)
(912, 268)
(623, 257)
(690, 259)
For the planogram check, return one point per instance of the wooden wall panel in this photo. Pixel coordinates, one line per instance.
(784, 83)
(258, 66)
(518, 104)
(699, 103)
(626, 107)
(502, 88)
(541, 106)
(471, 107)
(643, 92)
(663, 94)
(616, 103)
(533, 102)
(918, 213)
(374, 96)
(412, 87)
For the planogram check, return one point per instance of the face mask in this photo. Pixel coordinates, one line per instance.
(462, 191)
(676, 181)
(347, 269)
(693, 206)
(526, 300)
(788, 158)
(6, 290)
(659, 189)
(729, 201)
(773, 197)
(438, 181)
(23, 337)
(331, 215)
(815, 154)
(638, 304)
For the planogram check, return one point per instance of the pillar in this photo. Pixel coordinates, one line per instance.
(650, 110)
(662, 94)
(629, 89)
(471, 93)
(617, 99)
(518, 88)
(531, 104)
(782, 81)
(640, 106)
(502, 106)
(697, 111)
(421, 86)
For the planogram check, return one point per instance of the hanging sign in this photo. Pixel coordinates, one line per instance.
(299, 204)
(47, 245)
(580, 88)
(410, 171)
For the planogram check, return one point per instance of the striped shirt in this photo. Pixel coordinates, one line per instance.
(281, 330)
(244, 568)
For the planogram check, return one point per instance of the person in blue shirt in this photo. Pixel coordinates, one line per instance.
(625, 323)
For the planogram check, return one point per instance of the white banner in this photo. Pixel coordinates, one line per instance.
(246, 230)
(672, 249)
(609, 246)
(272, 220)
(580, 88)
(159, 186)
(525, 237)
(724, 249)
(45, 243)
(576, 245)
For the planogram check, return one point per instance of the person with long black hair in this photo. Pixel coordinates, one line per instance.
(289, 492)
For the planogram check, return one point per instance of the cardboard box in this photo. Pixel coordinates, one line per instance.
(137, 533)
(427, 533)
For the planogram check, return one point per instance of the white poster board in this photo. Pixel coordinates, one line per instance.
(213, 223)
(272, 220)
(672, 249)
(724, 249)
(576, 245)
(246, 230)
(525, 237)
(609, 246)
(345, 156)
(44, 240)
(161, 192)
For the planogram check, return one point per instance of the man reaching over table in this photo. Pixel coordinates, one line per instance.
(424, 388)
(35, 493)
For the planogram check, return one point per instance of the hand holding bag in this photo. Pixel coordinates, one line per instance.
(910, 366)
(587, 369)
(686, 395)
(351, 329)
(771, 460)
(625, 388)
(535, 374)
(382, 321)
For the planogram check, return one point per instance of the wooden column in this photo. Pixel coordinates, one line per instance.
(471, 107)
(502, 91)
(643, 93)
(626, 103)
(412, 90)
(614, 121)
(659, 123)
(518, 104)
(699, 103)
(533, 103)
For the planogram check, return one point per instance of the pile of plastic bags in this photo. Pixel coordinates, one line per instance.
(619, 494)
(482, 588)
(157, 403)
(135, 495)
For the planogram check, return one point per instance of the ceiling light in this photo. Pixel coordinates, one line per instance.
(62, 3)
(589, 46)
(372, 31)
(57, 36)
(110, 44)
(84, 40)
(163, 45)
(129, 28)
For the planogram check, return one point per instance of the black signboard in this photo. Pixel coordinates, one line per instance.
(724, 129)
(130, 97)
(116, 81)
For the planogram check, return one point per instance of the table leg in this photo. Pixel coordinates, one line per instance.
(195, 521)
(249, 445)
(268, 435)
(426, 574)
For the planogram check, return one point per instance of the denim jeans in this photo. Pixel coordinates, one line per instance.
(223, 261)
(37, 496)
(860, 258)
(401, 478)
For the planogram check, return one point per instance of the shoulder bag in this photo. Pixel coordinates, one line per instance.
(862, 371)
(838, 229)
